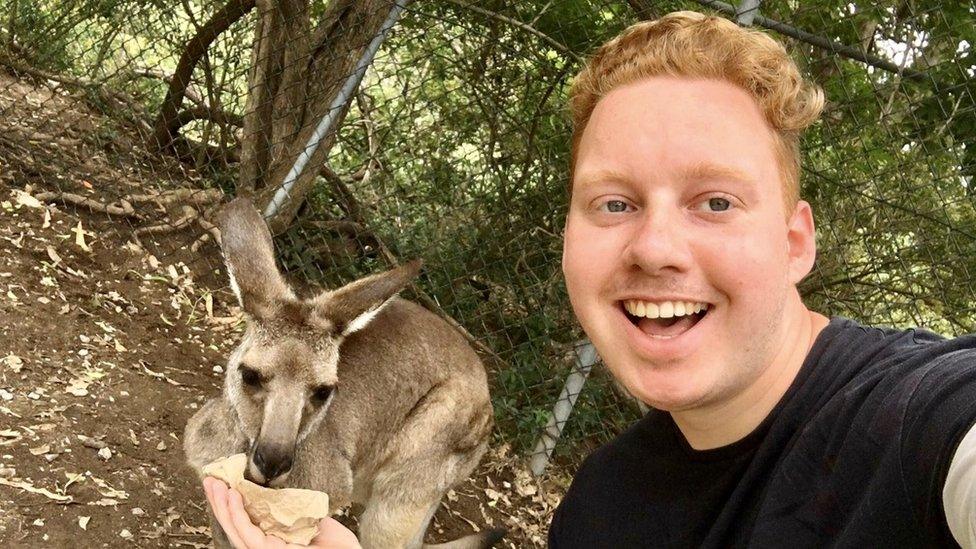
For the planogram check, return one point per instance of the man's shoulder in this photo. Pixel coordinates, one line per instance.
(921, 359)
(848, 352)
(858, 370)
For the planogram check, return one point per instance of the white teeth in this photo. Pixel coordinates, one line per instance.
(664, 309)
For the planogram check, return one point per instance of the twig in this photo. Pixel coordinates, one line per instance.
(948, 120)
(524, 26)
(191, 93)
(365, 107)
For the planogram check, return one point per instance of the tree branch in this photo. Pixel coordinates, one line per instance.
(818, 41)
(215, 115)
(524, 26)
(167, 124)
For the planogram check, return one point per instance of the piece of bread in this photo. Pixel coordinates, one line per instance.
(292, 514)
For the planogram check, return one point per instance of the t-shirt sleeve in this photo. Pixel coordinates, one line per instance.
(940, 412)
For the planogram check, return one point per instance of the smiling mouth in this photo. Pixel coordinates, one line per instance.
(664, 320)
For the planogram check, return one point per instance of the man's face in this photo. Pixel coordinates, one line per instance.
(677, 197)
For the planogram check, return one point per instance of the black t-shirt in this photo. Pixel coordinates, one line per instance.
(855, 454)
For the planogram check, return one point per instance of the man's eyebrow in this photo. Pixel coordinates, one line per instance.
(595, 176)
(707, 170)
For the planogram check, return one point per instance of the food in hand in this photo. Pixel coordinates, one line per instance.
(292, 514)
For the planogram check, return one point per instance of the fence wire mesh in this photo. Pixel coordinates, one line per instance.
(454, 149)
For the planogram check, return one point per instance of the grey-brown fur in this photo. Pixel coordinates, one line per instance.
(410, 415)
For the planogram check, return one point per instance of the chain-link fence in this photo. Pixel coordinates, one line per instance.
(454, 146)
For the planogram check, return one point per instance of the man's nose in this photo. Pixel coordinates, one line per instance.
(659, 242)
(272, 461)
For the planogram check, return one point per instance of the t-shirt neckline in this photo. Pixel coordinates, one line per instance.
(754, 438)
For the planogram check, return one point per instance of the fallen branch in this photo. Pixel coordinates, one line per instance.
(190, 215)
(211, 231)
(111, 102)
(23, 68)
(196, 197)
(122, 208)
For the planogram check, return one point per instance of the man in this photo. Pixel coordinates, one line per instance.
(685, 240)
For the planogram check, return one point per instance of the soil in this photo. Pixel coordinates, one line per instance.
(109, 345)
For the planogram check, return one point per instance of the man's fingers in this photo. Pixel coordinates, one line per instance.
(251, 534)
(207, 489)
(228, 508)
(219, 504)
(333, 535)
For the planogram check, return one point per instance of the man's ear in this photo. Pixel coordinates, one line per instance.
(353, 306)
(249, 254)
(802, 241)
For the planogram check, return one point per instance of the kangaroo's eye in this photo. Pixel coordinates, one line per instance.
(250, 376)
(321, 393)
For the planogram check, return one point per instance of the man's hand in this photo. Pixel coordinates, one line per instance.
(228, 507)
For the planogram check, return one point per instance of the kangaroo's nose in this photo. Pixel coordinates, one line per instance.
(272, 461)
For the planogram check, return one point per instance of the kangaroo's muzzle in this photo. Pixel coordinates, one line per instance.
(269, 462)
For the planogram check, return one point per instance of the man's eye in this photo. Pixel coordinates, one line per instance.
(718, 204)
(615, 206)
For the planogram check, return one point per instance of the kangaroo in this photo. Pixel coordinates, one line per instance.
(354, 392)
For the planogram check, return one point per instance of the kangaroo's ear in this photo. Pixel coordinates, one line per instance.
(249, 254)
(353, 306)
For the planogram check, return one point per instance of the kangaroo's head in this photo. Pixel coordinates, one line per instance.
(283, 376)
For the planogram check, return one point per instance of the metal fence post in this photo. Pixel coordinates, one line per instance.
(746, 12)
(586, 357)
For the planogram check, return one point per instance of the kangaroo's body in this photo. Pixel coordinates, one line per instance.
(365, 396)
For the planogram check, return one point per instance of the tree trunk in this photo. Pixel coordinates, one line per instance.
(296, 76)
(263, 80)
(167, 123)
